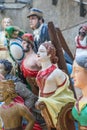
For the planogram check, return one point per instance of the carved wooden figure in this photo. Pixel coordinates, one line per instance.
(3, 42)
(81, 40)
(79, 76)
(30, 65)
(12, 112)
(55, 97)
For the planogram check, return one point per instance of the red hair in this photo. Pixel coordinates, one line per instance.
(51, 50)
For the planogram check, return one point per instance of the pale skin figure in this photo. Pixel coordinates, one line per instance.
(79, 76)
(5, 23)
(3, 42)
(57, 74)
(53, 83)
(33, 20)
(12, 112)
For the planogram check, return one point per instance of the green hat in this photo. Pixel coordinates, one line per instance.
(11, 29)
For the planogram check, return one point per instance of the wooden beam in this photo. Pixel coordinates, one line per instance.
(55, 41)
(59, 53)
(64, 44)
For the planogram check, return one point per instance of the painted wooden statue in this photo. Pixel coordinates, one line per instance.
(12, 112)
(3, 42)
(13, 35)
(5, 23)
(79, 76)
(15, 50)
(81, 40)
(30, 65)
(53, 83)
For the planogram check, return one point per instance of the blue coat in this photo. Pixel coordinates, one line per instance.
(40, 35)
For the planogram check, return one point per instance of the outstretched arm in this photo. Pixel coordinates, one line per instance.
(24, 112)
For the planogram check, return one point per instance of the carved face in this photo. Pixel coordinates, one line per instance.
(6, 22)
(33, 21)
(82, 33)
(42, 53)
(79, 76)
(25, 46)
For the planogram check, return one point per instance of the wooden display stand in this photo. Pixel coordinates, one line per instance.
(64, 119)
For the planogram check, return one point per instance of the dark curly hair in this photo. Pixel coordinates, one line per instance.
(51, 50)
(7, 64)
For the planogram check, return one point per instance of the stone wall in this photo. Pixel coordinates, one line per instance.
(18, 13)
(64, 15)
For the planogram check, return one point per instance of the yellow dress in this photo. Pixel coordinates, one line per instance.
(59, 99)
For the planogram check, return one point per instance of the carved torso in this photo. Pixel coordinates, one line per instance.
(11, 115)
(30, 69)
(48, 80)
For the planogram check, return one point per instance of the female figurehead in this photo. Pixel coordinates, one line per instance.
(79, 76)
(53, 83)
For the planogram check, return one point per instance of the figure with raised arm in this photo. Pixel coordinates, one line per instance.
(12, 112)
(21, 89)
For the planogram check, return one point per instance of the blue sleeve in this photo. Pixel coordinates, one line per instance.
(44, 33)
(69, 68)
(68, 58)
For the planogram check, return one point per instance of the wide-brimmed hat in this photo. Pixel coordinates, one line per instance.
(35, 11)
